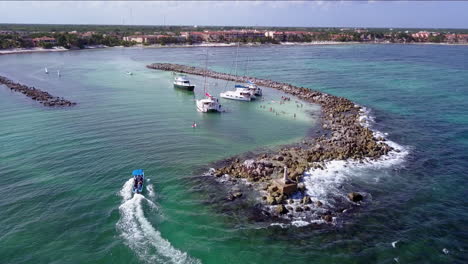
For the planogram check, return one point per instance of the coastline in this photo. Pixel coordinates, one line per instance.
(345, 137)
(42, 50)
(210, 44)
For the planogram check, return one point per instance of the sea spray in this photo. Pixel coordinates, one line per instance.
(140, 235)
(325, 185)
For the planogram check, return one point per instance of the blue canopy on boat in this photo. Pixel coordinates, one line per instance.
(240, 86)
(138, 172)
(250, 82)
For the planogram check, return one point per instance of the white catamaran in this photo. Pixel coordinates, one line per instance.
(210, 103)
(241, 92)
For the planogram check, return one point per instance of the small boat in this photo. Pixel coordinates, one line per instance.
(46, 71)
(58, 73)
(242, 93)
(130, 73)
(138, 181)
(209, 104)
(254, 88)
(182, 82)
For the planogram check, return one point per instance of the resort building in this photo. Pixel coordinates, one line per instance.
(46, 40)
(150, 39)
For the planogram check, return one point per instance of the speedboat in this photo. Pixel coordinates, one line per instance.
(46, 71)
(209, 104)
(138, 181)
(254, 88)
(182, 82)
(242, 93)
(129, 73)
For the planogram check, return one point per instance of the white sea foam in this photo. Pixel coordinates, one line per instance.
(327, 185)
(126, 191)
(322, 184)
(141, 236)
(150, 190)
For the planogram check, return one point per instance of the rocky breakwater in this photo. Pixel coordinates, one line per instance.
(278, 176)
(36, 94)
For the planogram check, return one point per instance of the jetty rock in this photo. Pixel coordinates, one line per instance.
(35, 94)
(343, 136)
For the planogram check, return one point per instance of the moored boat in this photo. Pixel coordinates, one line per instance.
(257, 91)
(138, 181)
(209, 104)
(241, 93)
(182, 82)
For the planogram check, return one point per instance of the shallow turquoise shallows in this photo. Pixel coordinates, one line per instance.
(66, 193)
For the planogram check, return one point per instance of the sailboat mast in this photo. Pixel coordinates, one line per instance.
(206, 71)
(237, 53)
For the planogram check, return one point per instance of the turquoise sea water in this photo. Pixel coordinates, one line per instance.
(65, 199)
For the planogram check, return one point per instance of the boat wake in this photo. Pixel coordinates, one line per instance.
(140, 235)
(329, 186)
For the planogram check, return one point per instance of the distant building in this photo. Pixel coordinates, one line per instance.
(422, 35)
(46, 40)
(145, 39)
(462, 38)
(88, 34)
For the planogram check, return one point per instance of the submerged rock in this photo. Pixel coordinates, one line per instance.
(355, 197)
(281, 209)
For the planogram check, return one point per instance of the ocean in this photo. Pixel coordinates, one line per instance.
(66, 196)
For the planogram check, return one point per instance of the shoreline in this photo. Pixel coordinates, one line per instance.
(344, 137)
(227, 45)
(43, 50)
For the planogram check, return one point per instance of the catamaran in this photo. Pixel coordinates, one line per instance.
(242, 93)
(257, 91)
(182, 82)
(210, 103)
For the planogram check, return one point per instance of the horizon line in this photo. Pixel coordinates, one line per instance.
(148, 25)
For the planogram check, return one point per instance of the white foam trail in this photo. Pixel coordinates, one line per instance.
(150, 189)
(141, 236)
(126, 191)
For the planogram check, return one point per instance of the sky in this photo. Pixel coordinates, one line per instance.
(391, 14)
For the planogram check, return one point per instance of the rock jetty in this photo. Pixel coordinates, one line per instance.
(342, 137)
(36, 94)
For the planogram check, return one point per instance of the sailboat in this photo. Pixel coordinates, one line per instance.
(210, 103)
(46, 71)
(257, 91)
(242, 93)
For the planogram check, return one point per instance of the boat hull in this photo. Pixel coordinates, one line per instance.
(201, 109)
(185, 87)
(237, 98)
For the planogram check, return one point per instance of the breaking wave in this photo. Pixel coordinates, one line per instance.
(327, 185)
(140, 235)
